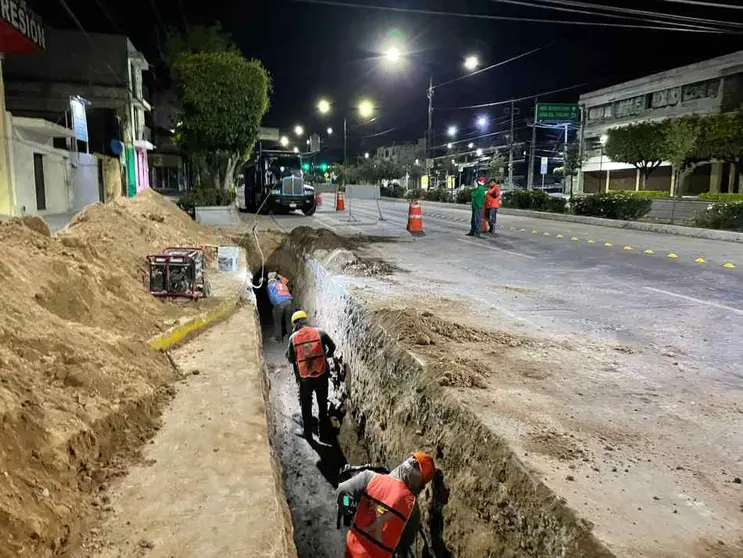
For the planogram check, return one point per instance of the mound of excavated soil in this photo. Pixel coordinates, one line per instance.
(79, 388)
(455, 354)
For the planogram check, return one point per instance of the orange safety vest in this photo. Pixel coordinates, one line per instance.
(308, 352)
(492, 198)
(380, 519)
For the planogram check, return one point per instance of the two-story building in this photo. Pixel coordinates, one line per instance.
(403, 153)
(104, 70)
(707, 87)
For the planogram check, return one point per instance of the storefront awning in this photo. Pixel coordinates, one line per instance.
(21, 30)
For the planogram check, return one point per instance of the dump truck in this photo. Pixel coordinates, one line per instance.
(273, 182)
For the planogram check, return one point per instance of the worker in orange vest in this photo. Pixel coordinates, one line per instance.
(492, 203)
(388, 517)
(309, 350)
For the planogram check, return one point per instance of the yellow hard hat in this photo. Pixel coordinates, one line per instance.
(299, 315)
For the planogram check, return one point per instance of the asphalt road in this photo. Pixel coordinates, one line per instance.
(572, 278)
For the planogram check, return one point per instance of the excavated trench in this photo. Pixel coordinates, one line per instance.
(484, 503)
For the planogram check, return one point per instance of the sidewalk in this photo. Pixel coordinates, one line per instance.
(207, 485)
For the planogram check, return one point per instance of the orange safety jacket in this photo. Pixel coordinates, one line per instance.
(380, 519)
(308, 352)
(492, 198)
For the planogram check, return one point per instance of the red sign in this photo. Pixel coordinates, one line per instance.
(21, 30)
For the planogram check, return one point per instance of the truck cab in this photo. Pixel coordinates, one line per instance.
(274, 183)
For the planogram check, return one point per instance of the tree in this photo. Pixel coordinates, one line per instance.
(198, 39)
(496, 166)
(642, 145)
(721, 138)
(682, 136)
(223, 97)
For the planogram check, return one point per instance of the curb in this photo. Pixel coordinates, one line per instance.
(179, 333)
(675, 230)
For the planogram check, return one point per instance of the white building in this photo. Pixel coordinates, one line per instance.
(707, 87)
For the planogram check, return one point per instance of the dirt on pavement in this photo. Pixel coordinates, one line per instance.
(80, 389)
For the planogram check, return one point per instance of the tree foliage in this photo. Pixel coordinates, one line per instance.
(199, 39)
(223, 97)
(497, 166)
(643, 145)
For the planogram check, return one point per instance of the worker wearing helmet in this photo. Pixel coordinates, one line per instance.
(282, 301)
(309, 350)
(388, 517)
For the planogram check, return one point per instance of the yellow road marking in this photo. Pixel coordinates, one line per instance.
(534, 232)
(575, 239)
(700, 260)
(628, 248)
(546, 234)
(608, 244)
(591, 241)
(729, 266)
(648, 252)
(673, 256)
(560, 236)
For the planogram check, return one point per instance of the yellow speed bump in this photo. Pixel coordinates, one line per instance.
(700, 260)
(591, 241)
(628, 248)
(575, 239)
(522, 230)
(534, 232)
(729, 266)
(673, 256)
(608, 244)
(547, 234)
(649, 252)
(560, 236)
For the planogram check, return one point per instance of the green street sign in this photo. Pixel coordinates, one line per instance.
(557, 113)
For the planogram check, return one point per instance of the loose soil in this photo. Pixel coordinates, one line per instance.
(80, 388)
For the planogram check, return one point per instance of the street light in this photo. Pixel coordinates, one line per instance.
(449, 145)
(323, 106)
(482, 122)
(393, 55)
(330, 131)
(295, 149)
(298, 130)
(453, 162)
(451, 131)
(284, 141)
(366, 155)
(478, 152)
(366, 108)
(470, 145)
(471, 62)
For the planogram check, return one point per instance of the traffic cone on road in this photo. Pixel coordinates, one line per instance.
(415, 218)
(484, 221)
(318, 199)
(340, 201)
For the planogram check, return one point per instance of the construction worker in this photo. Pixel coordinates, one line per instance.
(309, 350)
(492, 203)
(388, 518)
(478, 200)
(283, 304)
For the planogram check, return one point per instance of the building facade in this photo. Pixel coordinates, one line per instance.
(403, 153)
(707, 87)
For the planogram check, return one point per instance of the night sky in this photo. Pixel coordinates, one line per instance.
(314, 50)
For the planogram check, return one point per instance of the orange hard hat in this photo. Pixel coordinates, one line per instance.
(425, 463)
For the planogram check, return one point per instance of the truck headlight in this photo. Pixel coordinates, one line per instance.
(276, 191)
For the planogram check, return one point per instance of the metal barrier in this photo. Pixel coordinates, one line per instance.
(363, 192)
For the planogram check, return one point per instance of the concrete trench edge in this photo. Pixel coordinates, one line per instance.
(492, 504)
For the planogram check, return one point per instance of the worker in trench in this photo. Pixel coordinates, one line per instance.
(282, 301)
(388, 518)
(309, 350)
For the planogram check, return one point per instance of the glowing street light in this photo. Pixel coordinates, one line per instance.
(482, 122)
(308, 141)
(471, 62)
(453, 162)
(366, 155)
(470, 145)
(298, 130)
(393, 55)
(284, 141)
(323, 106)
(451, 131)
(366, 108)
(330, 131)
(478, 152)
(295, 149)
(449, 145)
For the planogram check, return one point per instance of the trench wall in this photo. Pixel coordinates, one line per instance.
(485, 503)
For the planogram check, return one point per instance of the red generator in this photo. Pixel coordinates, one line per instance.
(178, 272)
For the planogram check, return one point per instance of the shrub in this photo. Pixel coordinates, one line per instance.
(721, 197)
(438, 194)
(556, 205)
(613, 205)
(206, 197)
(464, 195)
(536, 200)
(722, 215)
(649, 194)
(414, 194)
(393, 190)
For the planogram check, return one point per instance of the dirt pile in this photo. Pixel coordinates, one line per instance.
(79, 388)
(457, 355)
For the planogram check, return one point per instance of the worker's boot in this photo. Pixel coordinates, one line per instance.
(302, 433)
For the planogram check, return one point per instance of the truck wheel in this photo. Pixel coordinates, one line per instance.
(310, 210)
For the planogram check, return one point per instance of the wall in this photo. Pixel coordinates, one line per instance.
(84, 179)
(111, 177)
(143, 170)
(55, 178)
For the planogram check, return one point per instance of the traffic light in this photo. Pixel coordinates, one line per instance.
(323, 167)
(306, 167)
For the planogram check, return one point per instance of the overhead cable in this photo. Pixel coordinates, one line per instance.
(497, 103)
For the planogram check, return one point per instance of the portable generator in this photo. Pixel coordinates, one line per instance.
(178, 272)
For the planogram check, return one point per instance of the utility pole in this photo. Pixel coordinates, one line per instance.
(565, 162)
(345, 153)
(510, 150)
(532, 149)
(429, 136)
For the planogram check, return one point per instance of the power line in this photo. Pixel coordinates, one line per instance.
(492, 66)
(506, 18)
(108, 15)
(643, 13)
(497, 103)
(705, 4)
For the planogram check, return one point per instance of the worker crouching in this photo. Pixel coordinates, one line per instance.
(388, 518)
(308, 351)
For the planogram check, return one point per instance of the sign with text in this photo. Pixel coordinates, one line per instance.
(545, 163)
(21, 30)
(557, 113)
(79, 119)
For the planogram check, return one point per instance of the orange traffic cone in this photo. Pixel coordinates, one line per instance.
(415, 218)
(318, 199)
(484, 222)
(340, 201)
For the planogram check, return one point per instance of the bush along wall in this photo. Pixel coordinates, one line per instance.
(613, 205)
(535, 200)
(722, 215)
(207, 197)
